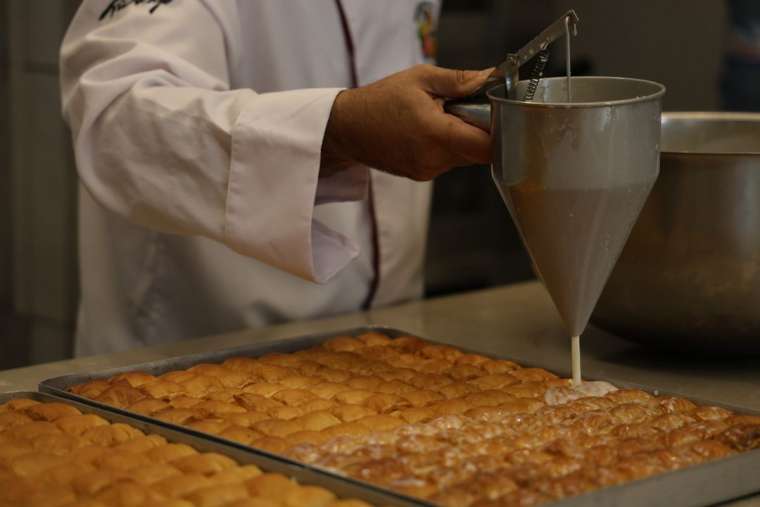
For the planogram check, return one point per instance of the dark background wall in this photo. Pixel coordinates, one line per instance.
(472, 241)
(38, 290)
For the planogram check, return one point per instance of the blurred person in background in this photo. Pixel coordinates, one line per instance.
(740, 80)
(224, 152)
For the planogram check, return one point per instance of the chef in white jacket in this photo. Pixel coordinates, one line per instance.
(224, 146)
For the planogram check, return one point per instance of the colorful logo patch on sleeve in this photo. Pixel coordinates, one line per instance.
(427, 24)
(115, 6)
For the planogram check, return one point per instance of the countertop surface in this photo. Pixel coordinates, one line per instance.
(517, 322)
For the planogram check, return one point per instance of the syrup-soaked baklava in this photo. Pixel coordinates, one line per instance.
(434, 422)
(53, 455)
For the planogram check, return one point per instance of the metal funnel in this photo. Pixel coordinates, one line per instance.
(575, 176)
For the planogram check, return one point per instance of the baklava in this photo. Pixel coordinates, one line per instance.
(53, 455)
(434, 422)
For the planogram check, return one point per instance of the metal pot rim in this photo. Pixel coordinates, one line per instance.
(717, 116)
(578, 105)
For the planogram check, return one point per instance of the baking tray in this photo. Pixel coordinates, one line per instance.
(342, 487)
(705, 484)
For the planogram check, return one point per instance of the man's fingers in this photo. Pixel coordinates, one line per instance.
(451, 82)
(466, 144)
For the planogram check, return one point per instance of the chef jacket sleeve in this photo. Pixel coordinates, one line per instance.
(162, 140)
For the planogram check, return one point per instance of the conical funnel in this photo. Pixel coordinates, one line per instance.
(575, 177)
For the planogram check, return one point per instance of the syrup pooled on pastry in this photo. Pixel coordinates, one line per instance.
(565, 394)
(559, 395)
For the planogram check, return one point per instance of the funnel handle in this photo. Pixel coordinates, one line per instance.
(474, 113)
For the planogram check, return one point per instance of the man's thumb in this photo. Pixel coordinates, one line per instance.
(453, 83)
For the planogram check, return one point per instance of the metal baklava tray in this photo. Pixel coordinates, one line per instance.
(704, 484)
(340, 486)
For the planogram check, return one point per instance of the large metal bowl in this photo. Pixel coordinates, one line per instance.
(689, 276)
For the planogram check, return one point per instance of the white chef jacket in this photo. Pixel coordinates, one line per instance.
(197, 128)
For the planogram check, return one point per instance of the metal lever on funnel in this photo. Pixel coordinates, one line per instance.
(475, 108)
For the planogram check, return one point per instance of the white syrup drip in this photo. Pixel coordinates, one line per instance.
(575, 353)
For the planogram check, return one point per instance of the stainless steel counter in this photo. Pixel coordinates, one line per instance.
(517, 322)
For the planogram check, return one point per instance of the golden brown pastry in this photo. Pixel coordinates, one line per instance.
(179, 415)
(34, 464)
(204, 464)
(275, 445)
(307, 437)
(240, 434)
(380, 422)
(334, 375)
(348, 412)
(58, 444)
(217, 495)
(265, 389)
(79, 423)
(354, 396)
(126, 494)
(183, 401)
(54, 456)
(134, 378)
(271, 486)
(302, 381)
(169, 452)
(140, 444)
(236, 474)
(65, 473)
(120, 395)
(293, 397)
(348, 503)
(317, 421)
(255, 502)
(457, 389)
(247, 419)
(742, 436)
(326, 390)
(11, 419)
(148, 406)
(343, 343)
(19, 404)
(308, 496)
(50, 411)
(123, 461)
(257, 403)
(178, 486)
(416, 414)
(240, 364)
(89, 454)
(91, 389)
(318, 404)
(152, 473)
(161, 389)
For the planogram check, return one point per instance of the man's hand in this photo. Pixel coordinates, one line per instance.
(398, 125)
